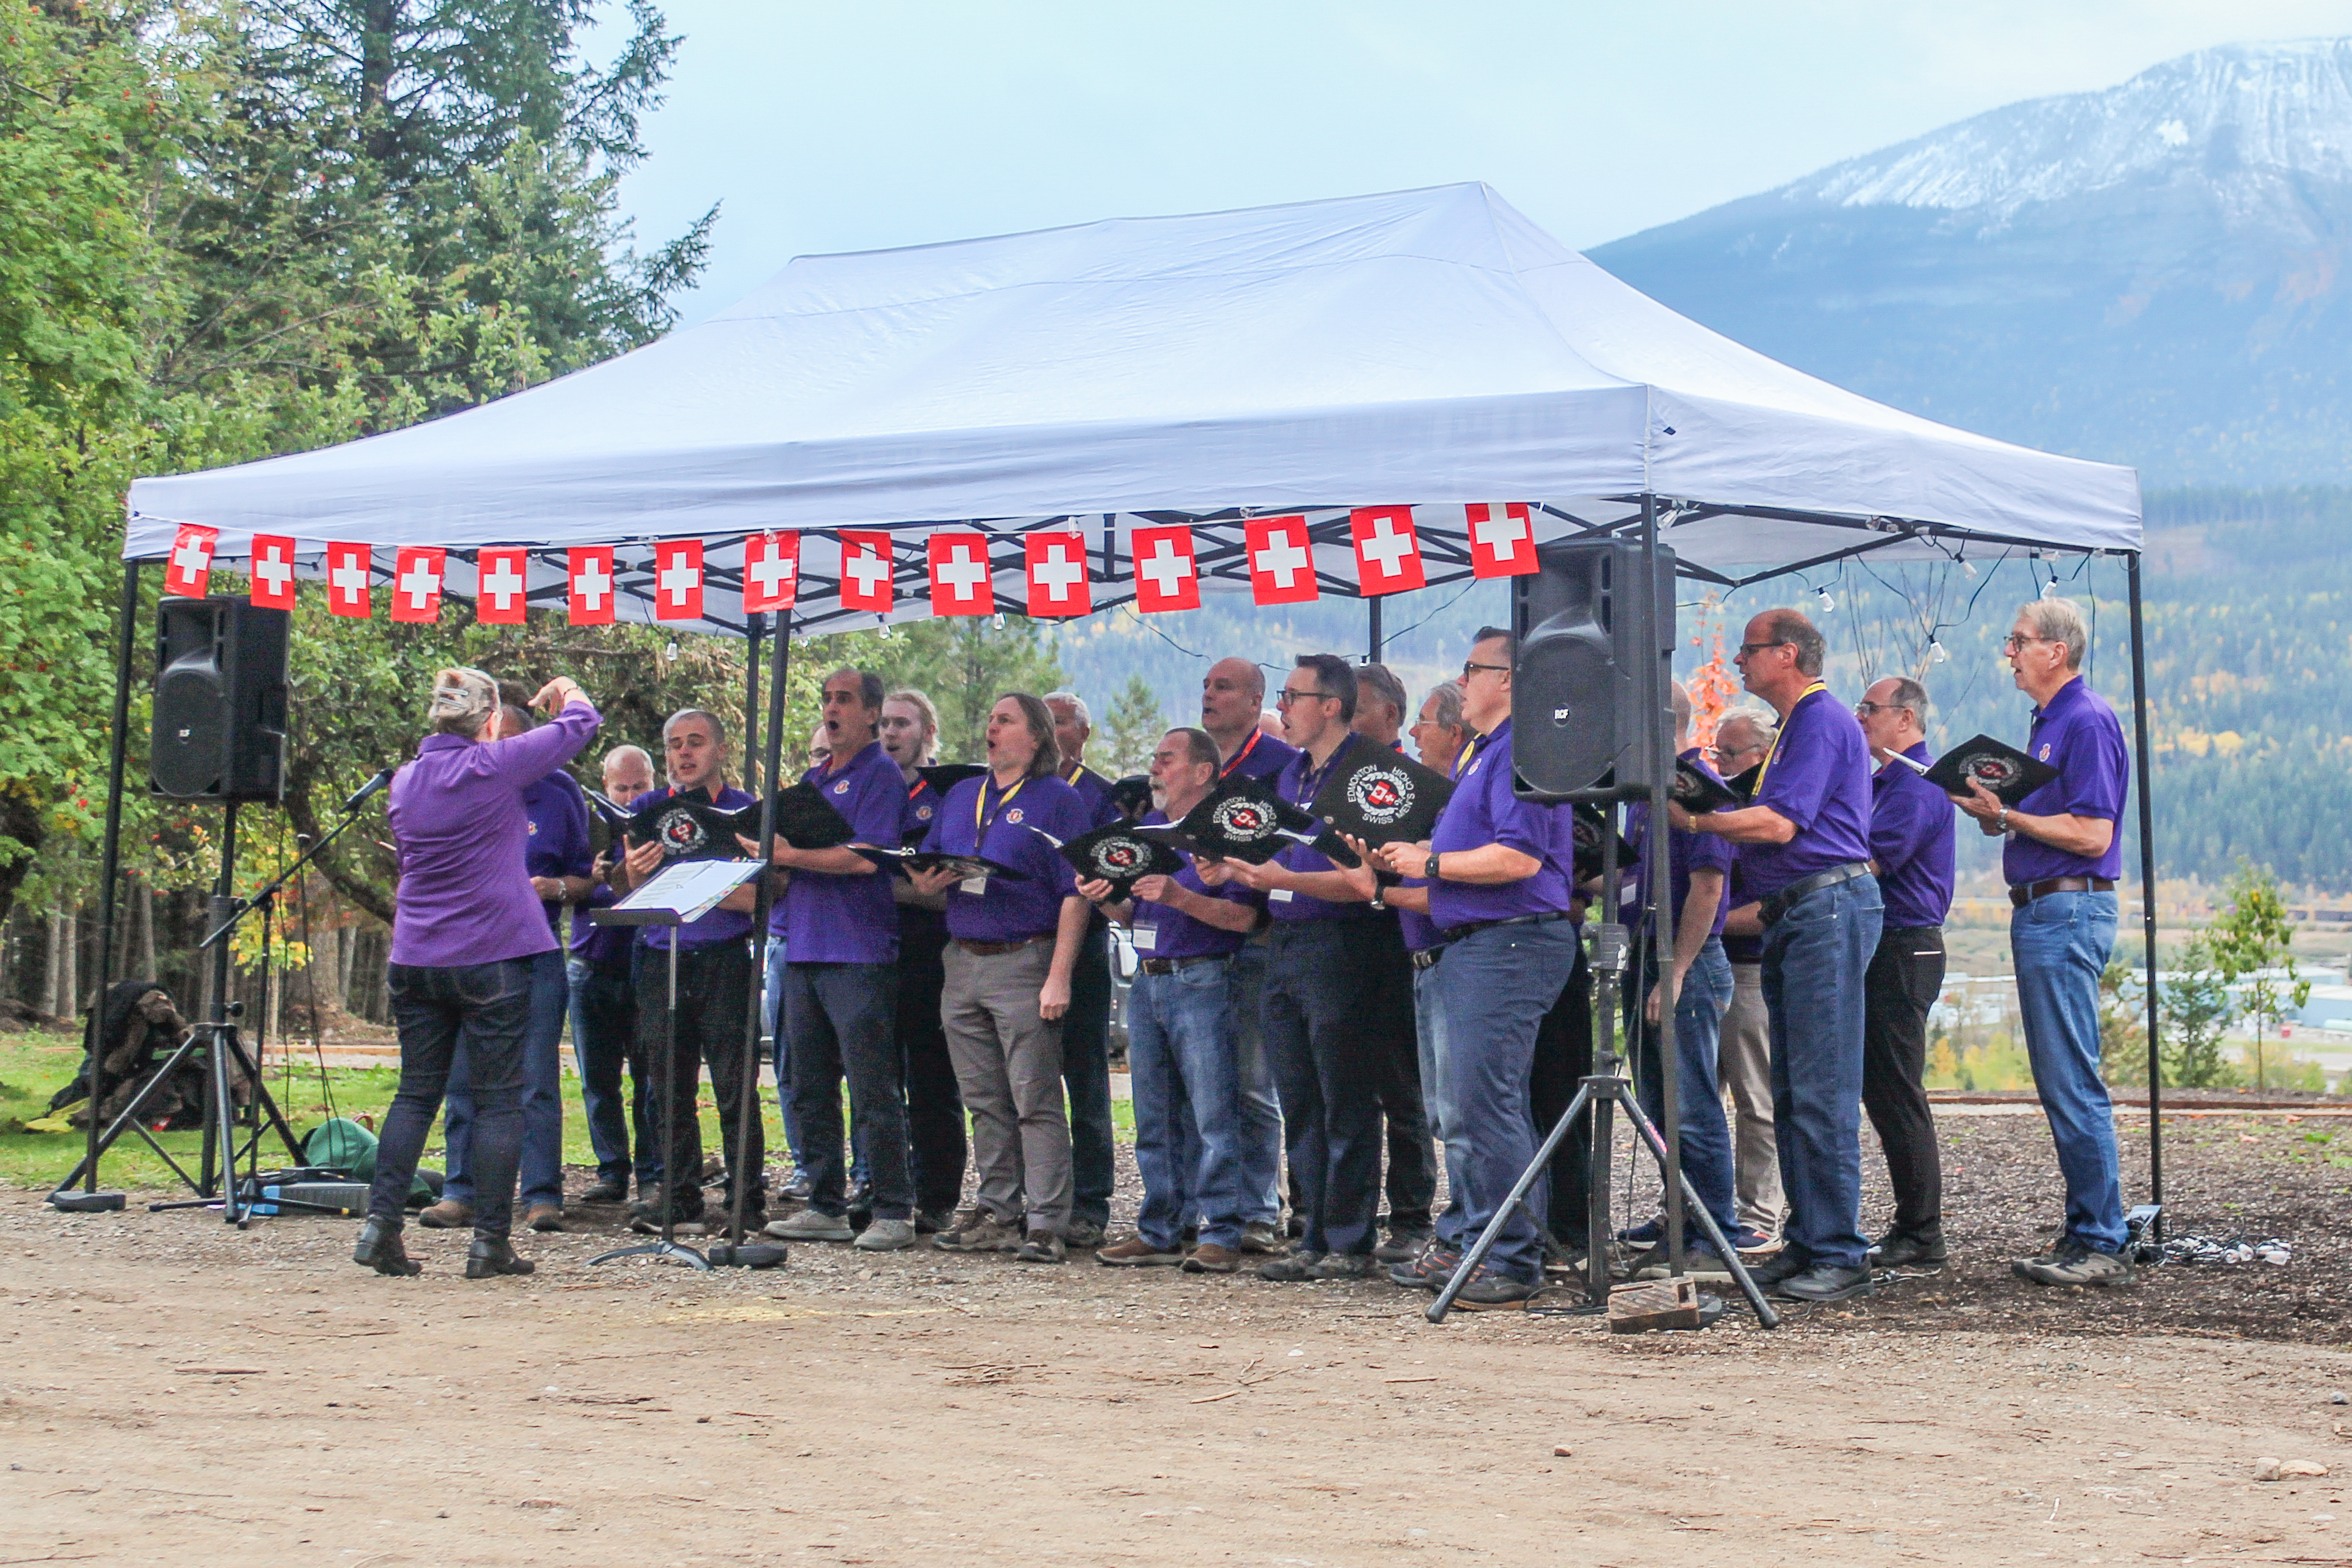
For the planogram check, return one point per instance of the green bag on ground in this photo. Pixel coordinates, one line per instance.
(341, 1144)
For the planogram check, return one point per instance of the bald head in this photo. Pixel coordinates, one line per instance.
(1232, 693)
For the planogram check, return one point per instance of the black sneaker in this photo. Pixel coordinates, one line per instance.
(1822, 1282)
(1903, 1249)
(1082, 1232)
(1493, 1292)
(1436, 1263)
(1299, 1264)
(1344, 1266)
(1786, 1264)
(799, 1188)
(931, 1221)
(608, 1191)
(1404, 1244)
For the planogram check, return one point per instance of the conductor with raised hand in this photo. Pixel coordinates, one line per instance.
(467, 928)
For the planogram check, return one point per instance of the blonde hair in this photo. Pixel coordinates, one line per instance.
(921, 705)
(462, 702)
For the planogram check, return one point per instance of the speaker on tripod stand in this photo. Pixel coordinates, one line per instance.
(1587, 621)
(220, 700)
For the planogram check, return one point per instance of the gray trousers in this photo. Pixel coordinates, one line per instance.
(1744, 1063)
(1008, 1063)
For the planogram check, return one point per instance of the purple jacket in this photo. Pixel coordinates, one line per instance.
(458, 826)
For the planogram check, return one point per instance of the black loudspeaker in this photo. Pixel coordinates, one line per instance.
(220, 700)
(1585, 621)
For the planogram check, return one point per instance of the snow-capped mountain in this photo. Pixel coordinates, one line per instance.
(2153, 274)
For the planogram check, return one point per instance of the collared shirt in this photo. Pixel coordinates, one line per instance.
(1911, 838)
(555, 843)
(1485, 811)
(2077, 733)
(1260, 757)
(1686, 852)
(1297, 782)
(719, 925)
(1741, 949)
(851, 919)
(1094, 790)
(457, 826)
(920, 929)
(978, 818)
(1163, 931)
(1419, 931)
(602, 946)
(1818, 778)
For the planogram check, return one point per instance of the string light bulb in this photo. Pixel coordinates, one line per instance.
(670, 651)
(1829, 605)
(1936, 651)
(2050, 589)
(997, 621)
(1969, 567)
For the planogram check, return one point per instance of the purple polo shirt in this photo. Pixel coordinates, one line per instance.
(851, 919)
(1818, 777)
(458, 828)
(1419, 931)
(1686, 852)
(1740, 949)
(1911, 824)
(2077, 733)
(1484, 811)
(1094, 789)
(600, 946)
(1260, 757)
(555, 822)
(719, 925)
(977, 817)
(1297, 783)
(1176, 935)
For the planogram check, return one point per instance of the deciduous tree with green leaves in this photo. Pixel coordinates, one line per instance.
(2251, 942)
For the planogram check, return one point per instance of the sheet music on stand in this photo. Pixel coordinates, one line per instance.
(679, 896)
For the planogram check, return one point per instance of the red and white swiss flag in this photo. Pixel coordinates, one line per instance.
(502, 583)
(189, 567)
(416, 572)
(1502, 538)
(678, 580)
(1281, 560)
(348, 567)
(588, 581)
(1166, 576)
(273, 572)
(960, 580)
(865, 570)
(771, 571)
(1388, 550)
(1056, 569)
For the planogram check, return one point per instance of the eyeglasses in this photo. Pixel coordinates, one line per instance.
(1286, 696)
(1471, 666)
(1865, 709)
(1746, 649)
(2014, 641)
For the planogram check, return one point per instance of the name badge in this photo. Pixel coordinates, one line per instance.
(975, 886)
(1146, 936)
(1280, 895)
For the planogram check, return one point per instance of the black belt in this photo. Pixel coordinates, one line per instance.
(2024, 893)
(1455, 933)
(1170, 965)
(1426, 958)
(1778, 905)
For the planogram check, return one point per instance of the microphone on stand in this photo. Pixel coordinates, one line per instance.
(375, 786)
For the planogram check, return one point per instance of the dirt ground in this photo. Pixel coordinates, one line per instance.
(178, 1390)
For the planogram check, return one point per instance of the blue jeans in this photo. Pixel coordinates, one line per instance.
(603, 1022)
(1318, 1018)
(1499, 982)
(1260, 1131)
(543, 1094)
(772, 1001)
(1429, 1021)
(1815, 957)
(1706, 1136)
(2060, 943)
(841, 1018)
(482, 1010)
(1180, 1051)
(1086, 1073)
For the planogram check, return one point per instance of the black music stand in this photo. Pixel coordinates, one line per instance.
(679, 895)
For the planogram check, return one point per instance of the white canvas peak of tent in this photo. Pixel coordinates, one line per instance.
(1431, 348)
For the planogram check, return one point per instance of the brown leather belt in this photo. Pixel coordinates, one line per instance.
(2024, 893)
(1170, 965)
(996, 949)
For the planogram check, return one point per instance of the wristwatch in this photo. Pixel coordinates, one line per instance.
(1428, 867)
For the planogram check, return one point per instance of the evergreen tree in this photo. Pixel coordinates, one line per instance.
(963, 664)
(1130, 729)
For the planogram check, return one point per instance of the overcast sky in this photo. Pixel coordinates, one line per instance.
(853, 127)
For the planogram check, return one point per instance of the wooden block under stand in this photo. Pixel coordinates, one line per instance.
(1654, 1304)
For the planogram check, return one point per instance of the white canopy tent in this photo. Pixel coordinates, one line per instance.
(1430, 347)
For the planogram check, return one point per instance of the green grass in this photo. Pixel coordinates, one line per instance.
(34, 1066)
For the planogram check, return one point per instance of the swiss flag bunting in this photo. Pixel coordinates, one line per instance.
(1056, 570)
(189, 567)
(273, 572)
(771, 571)
(960, 580)
(865, 570)
(1281, 560)
(1502, 538)
(347, 580)
(1388, 550)
(416, 572)
(1165, 575)
(677, 580)
(501, 580)
(589, 579)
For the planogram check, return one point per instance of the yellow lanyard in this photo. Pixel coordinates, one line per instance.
(1468, 747)
(979, 828)
(1766, 766)
(1069, 777)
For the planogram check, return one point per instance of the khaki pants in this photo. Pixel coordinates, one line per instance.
(1744, 1065)
(1008, 1063)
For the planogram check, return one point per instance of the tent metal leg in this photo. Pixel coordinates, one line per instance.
(767, 772)
(1656, 853)
(1372, 637)
(2140, 762)
(110, 857)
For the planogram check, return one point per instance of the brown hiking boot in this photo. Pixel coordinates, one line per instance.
(1137, 1253)
(977, 1230)
(1211, 1259)
(543, 1216)
(448, 1215)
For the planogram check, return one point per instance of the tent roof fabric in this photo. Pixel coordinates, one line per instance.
(1426, 347)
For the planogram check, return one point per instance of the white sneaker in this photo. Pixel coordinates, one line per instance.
(886, 1236)
(809, 1225)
